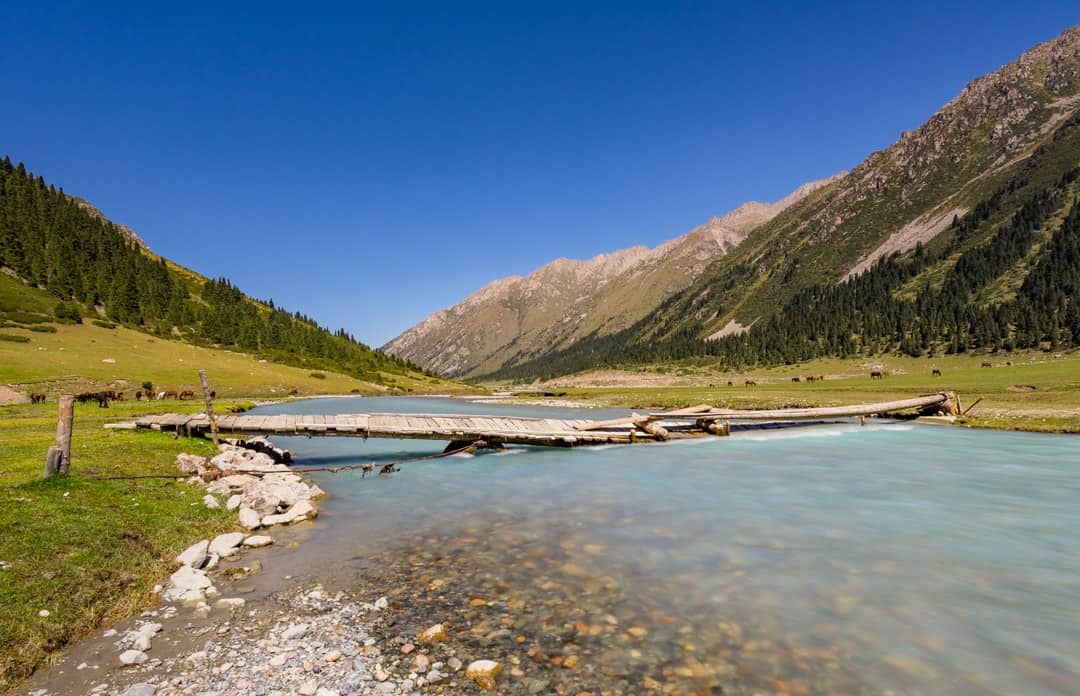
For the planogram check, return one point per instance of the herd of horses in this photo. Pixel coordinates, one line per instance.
(102, 398)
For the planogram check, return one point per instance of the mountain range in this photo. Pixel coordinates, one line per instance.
(519, 318)
(943, 196)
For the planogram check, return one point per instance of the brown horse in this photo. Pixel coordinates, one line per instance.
(37, 398)
(187, 394)
(877, 374)
(796, 379)
(936, 372)
(751, 383)
(986, 364)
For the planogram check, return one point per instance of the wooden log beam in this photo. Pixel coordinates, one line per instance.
(781, 414)
(654, 429)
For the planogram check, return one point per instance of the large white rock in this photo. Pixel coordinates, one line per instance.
(140, 689)
(141, 643)
(233, 502)
(133, 657)
(225, 545)
(188, 578)
(249, 519)
(297, 513)
(190, 463)
(301, 511)
(257, 540)
(194, 555)
(211, 502)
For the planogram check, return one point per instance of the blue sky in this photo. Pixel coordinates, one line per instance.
(368, 164)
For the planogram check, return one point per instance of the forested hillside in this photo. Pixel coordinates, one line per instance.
(1005, 275)
(960, 236)
(97, 270)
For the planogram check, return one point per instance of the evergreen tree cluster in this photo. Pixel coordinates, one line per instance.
(52, 241)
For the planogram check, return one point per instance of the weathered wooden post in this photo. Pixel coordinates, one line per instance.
(209, 406)
(58, 459)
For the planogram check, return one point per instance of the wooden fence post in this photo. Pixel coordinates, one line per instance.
(209, 406)
(58, 459)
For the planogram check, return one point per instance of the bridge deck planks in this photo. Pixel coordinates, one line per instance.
(497, 429)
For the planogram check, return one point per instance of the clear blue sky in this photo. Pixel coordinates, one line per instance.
(368, 164)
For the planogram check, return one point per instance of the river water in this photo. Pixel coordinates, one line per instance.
(826, 559)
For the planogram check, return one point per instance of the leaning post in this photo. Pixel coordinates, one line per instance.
(209, 406)
(58, 459)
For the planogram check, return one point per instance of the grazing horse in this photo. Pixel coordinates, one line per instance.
(811, 378)
(730, 383)
(170, 394)
(877, 374)
(936, 372)
(986, 364)
(187, 394)
(796, 379)
(821, 378)
(751, 383)
(37, 398)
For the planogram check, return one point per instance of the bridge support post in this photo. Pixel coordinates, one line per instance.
(58, 459)
(209, 406)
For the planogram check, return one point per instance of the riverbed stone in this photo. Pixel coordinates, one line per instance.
(434, 634)
(230, 603)
(133, 657)
(211, 502)
(225, 545)
(483, 672)
(140, 689)
(234, 501)
(294, 632)
(258, 540)
(141, 642)
(194, 555)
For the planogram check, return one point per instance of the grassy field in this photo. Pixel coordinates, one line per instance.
(1037, 392)
(82, 356)
(86, 550)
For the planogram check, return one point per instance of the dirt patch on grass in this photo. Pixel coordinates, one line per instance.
(9, 396)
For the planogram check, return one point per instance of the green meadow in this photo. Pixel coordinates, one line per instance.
(1038, 391)
(87, 550)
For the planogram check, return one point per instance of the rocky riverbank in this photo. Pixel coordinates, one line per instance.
(304, 641)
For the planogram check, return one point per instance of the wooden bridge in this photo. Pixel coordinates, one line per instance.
(505, 430)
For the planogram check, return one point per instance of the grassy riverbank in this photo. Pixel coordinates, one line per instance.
(1020, 391)
(84, 549)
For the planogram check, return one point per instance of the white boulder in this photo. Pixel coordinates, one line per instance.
(188, 578)
(194, 555)
(225, 545)
(249, 519)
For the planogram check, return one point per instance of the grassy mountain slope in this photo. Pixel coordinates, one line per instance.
(911, 191)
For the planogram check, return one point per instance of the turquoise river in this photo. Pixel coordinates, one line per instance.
(831, 559)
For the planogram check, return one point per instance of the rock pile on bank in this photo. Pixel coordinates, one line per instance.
(260, 490)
